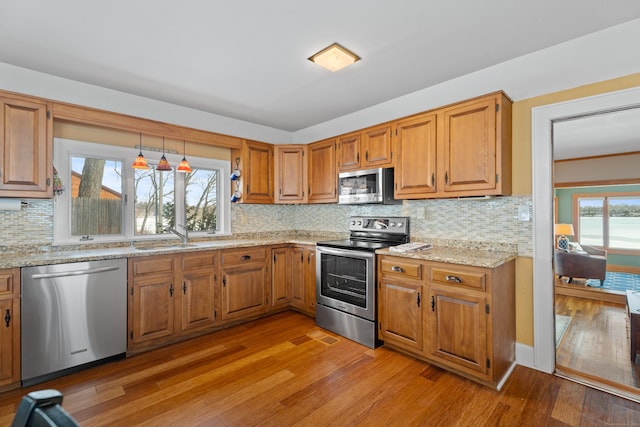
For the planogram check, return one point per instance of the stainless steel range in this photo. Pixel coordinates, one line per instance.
(346, 276)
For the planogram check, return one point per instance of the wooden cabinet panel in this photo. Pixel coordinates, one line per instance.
(25, 148)
(281, 276)
(243, 291)
(469, 140)
(10, 329)
(416, 144)
(401, 319)
(152, 307)
(323, 176)
(243, 255)
(255, 161)
(459, 329)
(349, 152)
(290, 165)
(198, 299)
(310, 280)
(377, 147)
(298, 279)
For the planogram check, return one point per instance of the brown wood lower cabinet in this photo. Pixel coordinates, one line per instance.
(245, 283)
(10, 329)
(172, 297)
(461, 318)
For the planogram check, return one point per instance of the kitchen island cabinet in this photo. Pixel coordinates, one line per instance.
(459, 317)
(10, 330)
(26, 143)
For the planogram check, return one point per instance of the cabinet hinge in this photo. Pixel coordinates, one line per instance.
(48, 182)
(380, 325)
(224, 281)
(488, 363)
(274, 258)
(131, 334)
(486, 309)
(497, 178)
(497, 107)
(132, 290)
(215, 314)
(391, 156)
(48, 114)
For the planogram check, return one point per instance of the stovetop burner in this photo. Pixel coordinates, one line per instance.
(372, 233)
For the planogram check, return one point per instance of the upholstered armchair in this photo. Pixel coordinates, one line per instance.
(592, 264)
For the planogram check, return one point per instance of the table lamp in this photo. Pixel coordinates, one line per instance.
(563, 230)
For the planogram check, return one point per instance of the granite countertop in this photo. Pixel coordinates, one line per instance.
(462, 256)
(33, 258)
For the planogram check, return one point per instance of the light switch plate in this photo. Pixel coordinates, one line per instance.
(523, 213)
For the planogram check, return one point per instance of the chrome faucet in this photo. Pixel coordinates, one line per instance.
(183, 237)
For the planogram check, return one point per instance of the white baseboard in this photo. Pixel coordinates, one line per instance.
(525, 356)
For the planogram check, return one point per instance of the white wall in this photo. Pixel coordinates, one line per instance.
(596, 57)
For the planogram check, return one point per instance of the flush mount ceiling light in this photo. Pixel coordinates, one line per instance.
(334, 57)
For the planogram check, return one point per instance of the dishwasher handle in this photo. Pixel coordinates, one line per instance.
(74, 273)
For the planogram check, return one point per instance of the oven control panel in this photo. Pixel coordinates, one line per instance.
(398, 224)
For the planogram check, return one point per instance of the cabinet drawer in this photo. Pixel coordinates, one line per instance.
(7, 283)
(199, 260)
(470, 279)
(154, 265)
(243, 255)
(402, 267)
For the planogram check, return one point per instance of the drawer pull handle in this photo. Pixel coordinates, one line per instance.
(453, 279)
(397, 269)
(245, 257)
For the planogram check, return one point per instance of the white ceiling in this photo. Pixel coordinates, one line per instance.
(597, 135)
(247, 59)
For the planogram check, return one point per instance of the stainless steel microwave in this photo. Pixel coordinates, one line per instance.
(366, 186)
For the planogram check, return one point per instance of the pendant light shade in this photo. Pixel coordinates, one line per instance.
(184, 166)
(163, 164)
(140, 162)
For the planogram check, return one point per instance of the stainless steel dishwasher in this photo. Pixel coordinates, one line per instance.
(73, 316)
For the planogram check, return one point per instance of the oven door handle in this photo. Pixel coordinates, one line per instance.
(344, 252)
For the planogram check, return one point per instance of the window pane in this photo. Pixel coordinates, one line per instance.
(96, 197)
(624, 222)
(591, 224)
(202, 200)
(154, 202)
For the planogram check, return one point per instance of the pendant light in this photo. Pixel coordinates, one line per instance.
(140, 162)
(163, 165)
(184, 164)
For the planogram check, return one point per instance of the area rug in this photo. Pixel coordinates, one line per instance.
(562, 323)
(616, 281)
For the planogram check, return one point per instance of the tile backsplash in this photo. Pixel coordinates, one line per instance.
(493, 220)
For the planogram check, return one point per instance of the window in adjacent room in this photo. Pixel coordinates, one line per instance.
(609, 220)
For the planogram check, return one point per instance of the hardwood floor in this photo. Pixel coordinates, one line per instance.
(283, 371)
(595, 346)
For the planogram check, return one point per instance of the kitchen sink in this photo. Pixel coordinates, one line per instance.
(164, 247)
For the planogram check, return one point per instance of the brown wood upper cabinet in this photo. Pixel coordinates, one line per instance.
(456, 151)
(366, 149)
(255, 161)
(25, 148)
(323, 174)
(290, 168)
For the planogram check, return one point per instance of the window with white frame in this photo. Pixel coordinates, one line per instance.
(107, 200)
(608, 220)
